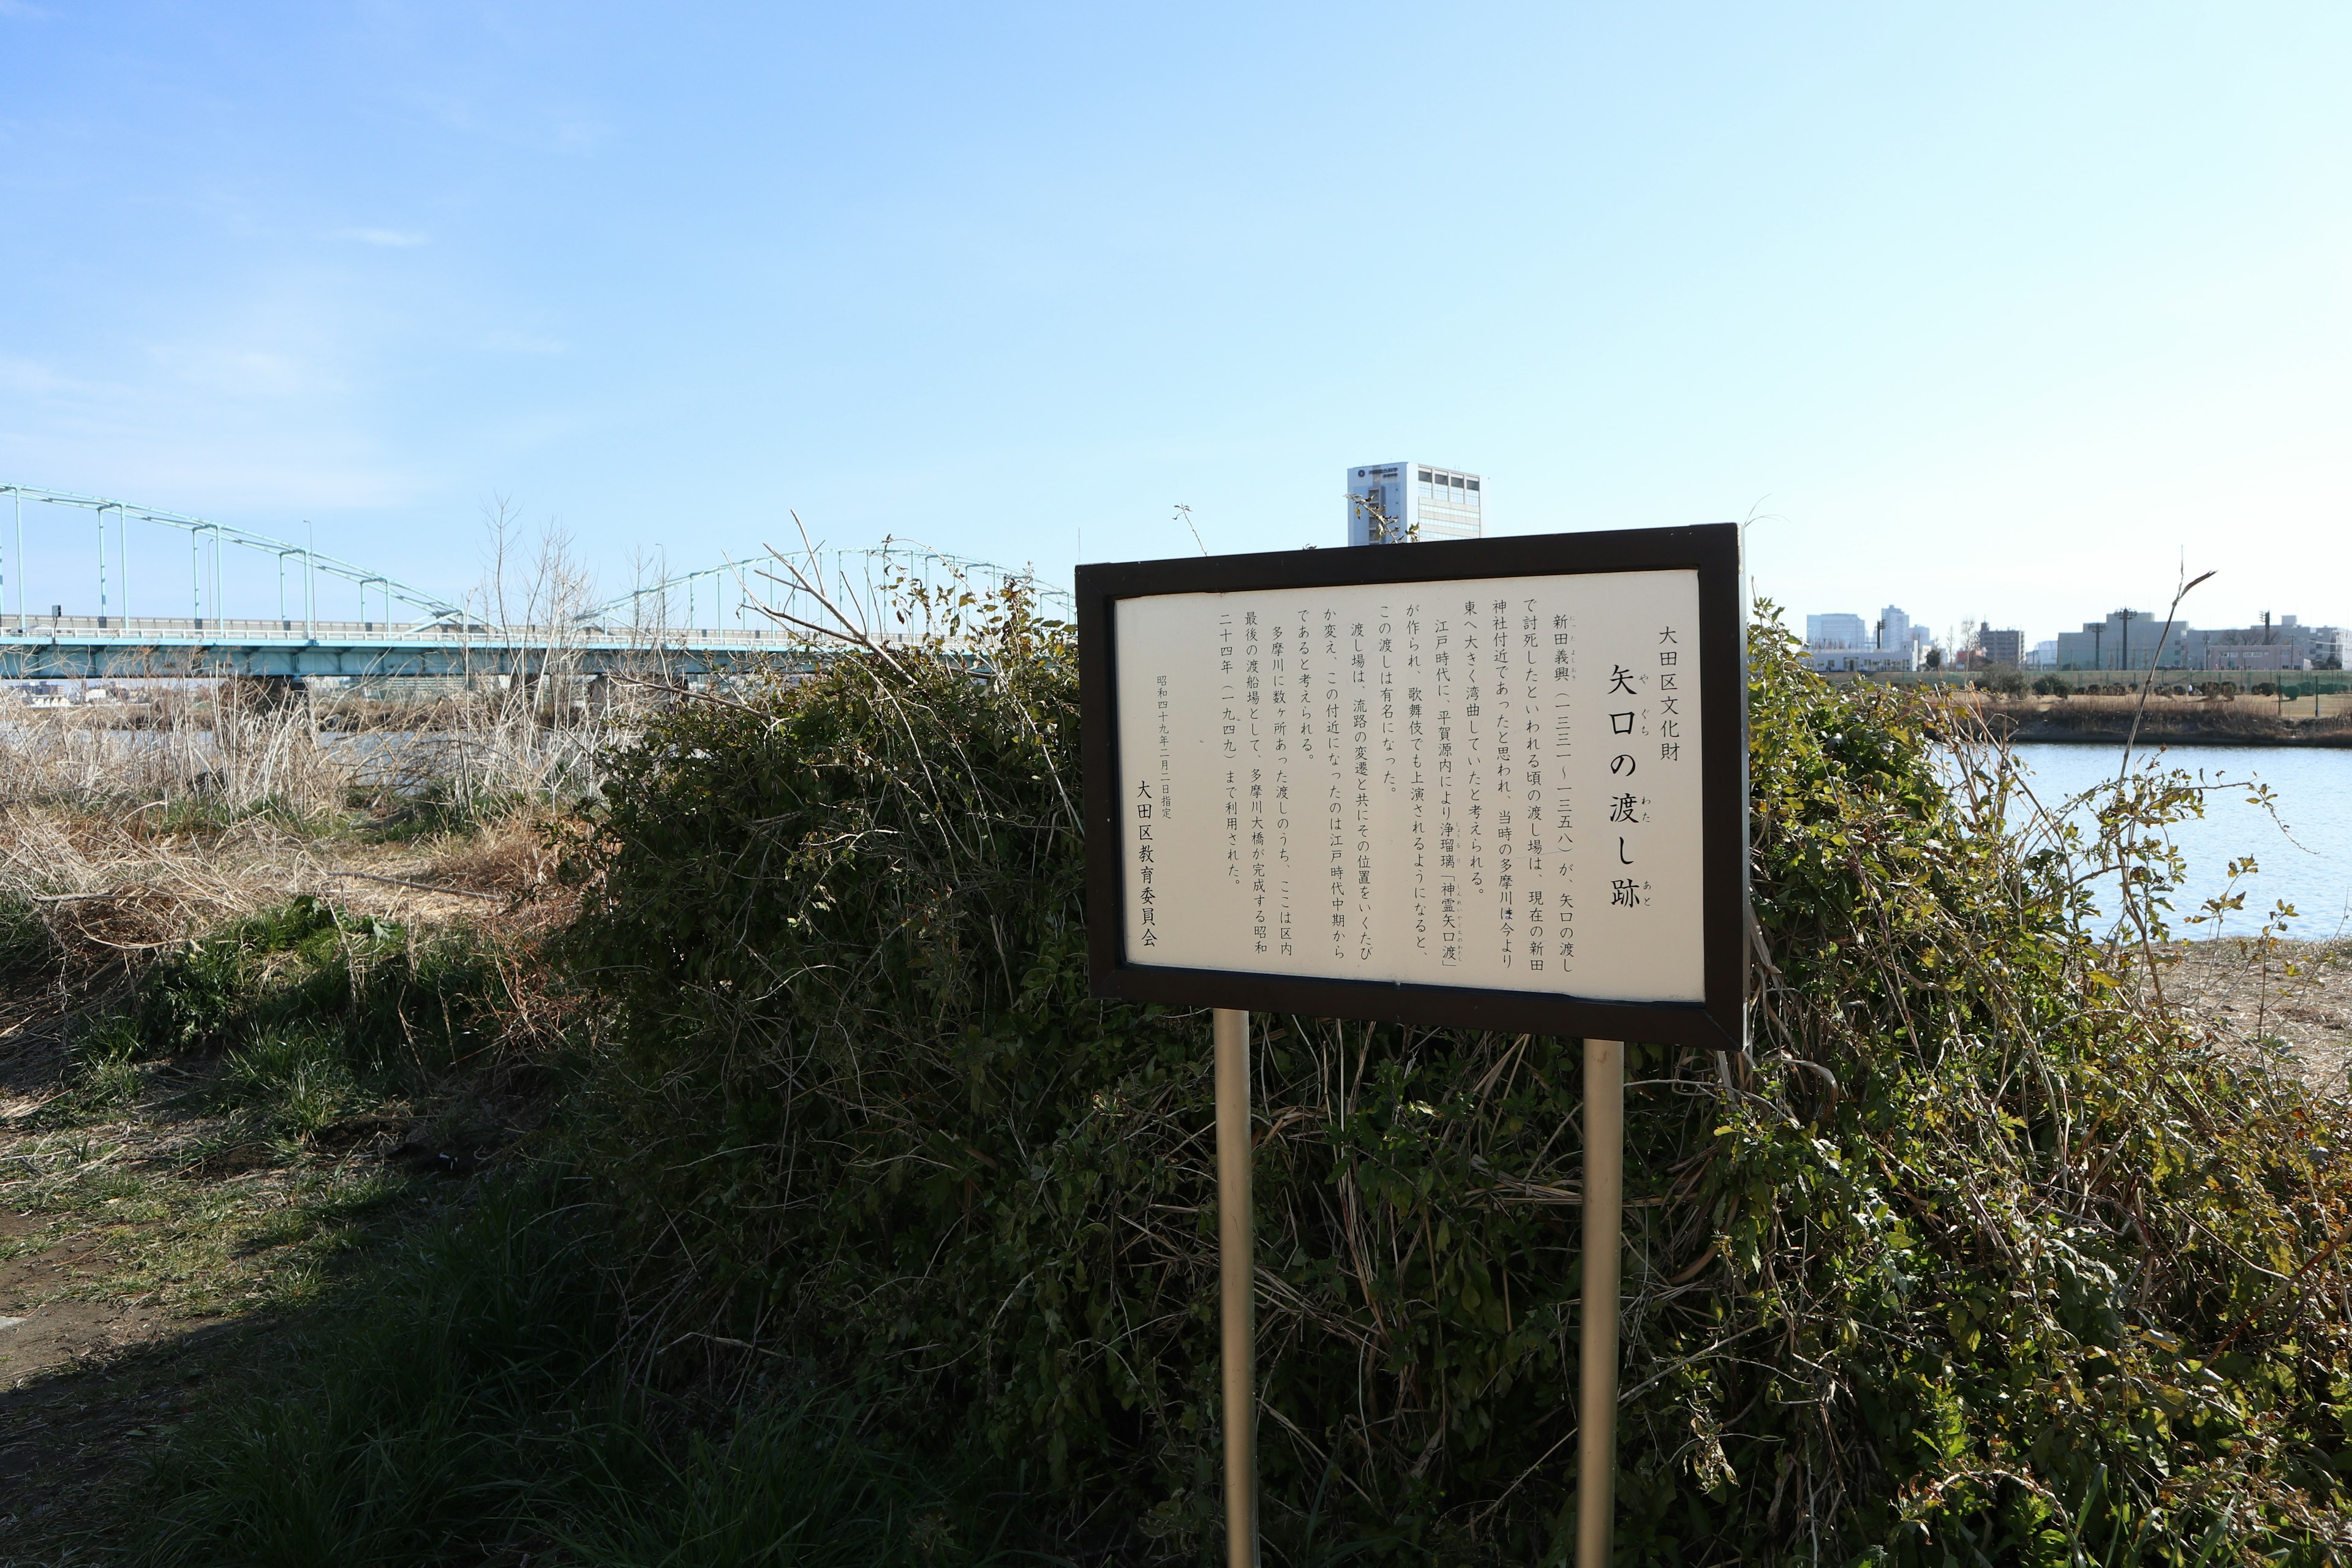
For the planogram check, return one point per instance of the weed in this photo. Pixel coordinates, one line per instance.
(115, 1078)
(307, 979)
(431, 812)
(206, 813)
(301, 1079)
(29, 948)
(454, 1403)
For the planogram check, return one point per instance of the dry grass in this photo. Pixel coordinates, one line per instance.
(240, 746)
(115, 886)
(124, 831)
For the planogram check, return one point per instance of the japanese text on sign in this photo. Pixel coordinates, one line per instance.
(1487, 783)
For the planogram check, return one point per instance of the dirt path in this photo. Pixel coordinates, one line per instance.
(2294, 996)
(151, 1236)
(47, 1319)
(144, 1259)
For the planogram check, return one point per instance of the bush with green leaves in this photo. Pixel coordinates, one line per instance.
(316, 1012)
(376, 992)
(1975, 1255)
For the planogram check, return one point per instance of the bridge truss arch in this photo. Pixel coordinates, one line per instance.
(727, 616)
(205, 590)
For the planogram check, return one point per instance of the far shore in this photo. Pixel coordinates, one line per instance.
(2166, 720)
(2164, 735)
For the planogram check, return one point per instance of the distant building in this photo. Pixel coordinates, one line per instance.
(2125, 640)
(1863, 661)
(2251, 656)
(2044, 655)
(1418, 501)
(1836, 631)
(2129, 639)
(2286, 644)
(1892, 633)
(2001, 647)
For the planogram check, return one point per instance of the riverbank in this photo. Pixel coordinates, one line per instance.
(2167, 718)
(2285, 1002)
(788, 1193)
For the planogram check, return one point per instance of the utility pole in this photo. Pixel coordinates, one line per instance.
(2099, 659)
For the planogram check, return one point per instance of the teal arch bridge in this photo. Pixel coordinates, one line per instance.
(759, 611)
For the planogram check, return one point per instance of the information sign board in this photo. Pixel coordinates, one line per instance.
(1496, 784)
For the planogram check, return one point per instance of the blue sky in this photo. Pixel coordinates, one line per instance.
(1995, 312)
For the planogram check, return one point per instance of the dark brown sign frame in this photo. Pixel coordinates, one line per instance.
(1711, 549)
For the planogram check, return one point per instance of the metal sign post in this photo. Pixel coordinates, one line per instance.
(1604, 1193)
(1237, 1297)
(1483, 784)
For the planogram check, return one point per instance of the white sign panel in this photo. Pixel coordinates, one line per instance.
(1490, 783)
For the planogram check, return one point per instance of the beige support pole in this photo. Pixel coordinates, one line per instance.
(1236, 1287)
(1605, 1194)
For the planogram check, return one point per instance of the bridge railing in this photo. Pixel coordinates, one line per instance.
(164, 631)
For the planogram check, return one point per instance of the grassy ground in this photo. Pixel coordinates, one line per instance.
(285, 1276)
(461, 1411)
(199, 1146)
(297, 1276)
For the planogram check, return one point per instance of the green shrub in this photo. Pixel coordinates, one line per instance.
(302, 1077)
(1974, 1256)
(306, 971)
(110, 1077)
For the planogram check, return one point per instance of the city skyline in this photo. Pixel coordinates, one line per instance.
(2279, 641)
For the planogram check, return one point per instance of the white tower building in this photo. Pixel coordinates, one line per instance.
(1836, 631)
(1419, 500)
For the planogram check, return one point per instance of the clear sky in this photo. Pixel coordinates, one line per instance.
(1993, 311)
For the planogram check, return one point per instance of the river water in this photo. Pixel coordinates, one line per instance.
(2305, 855)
